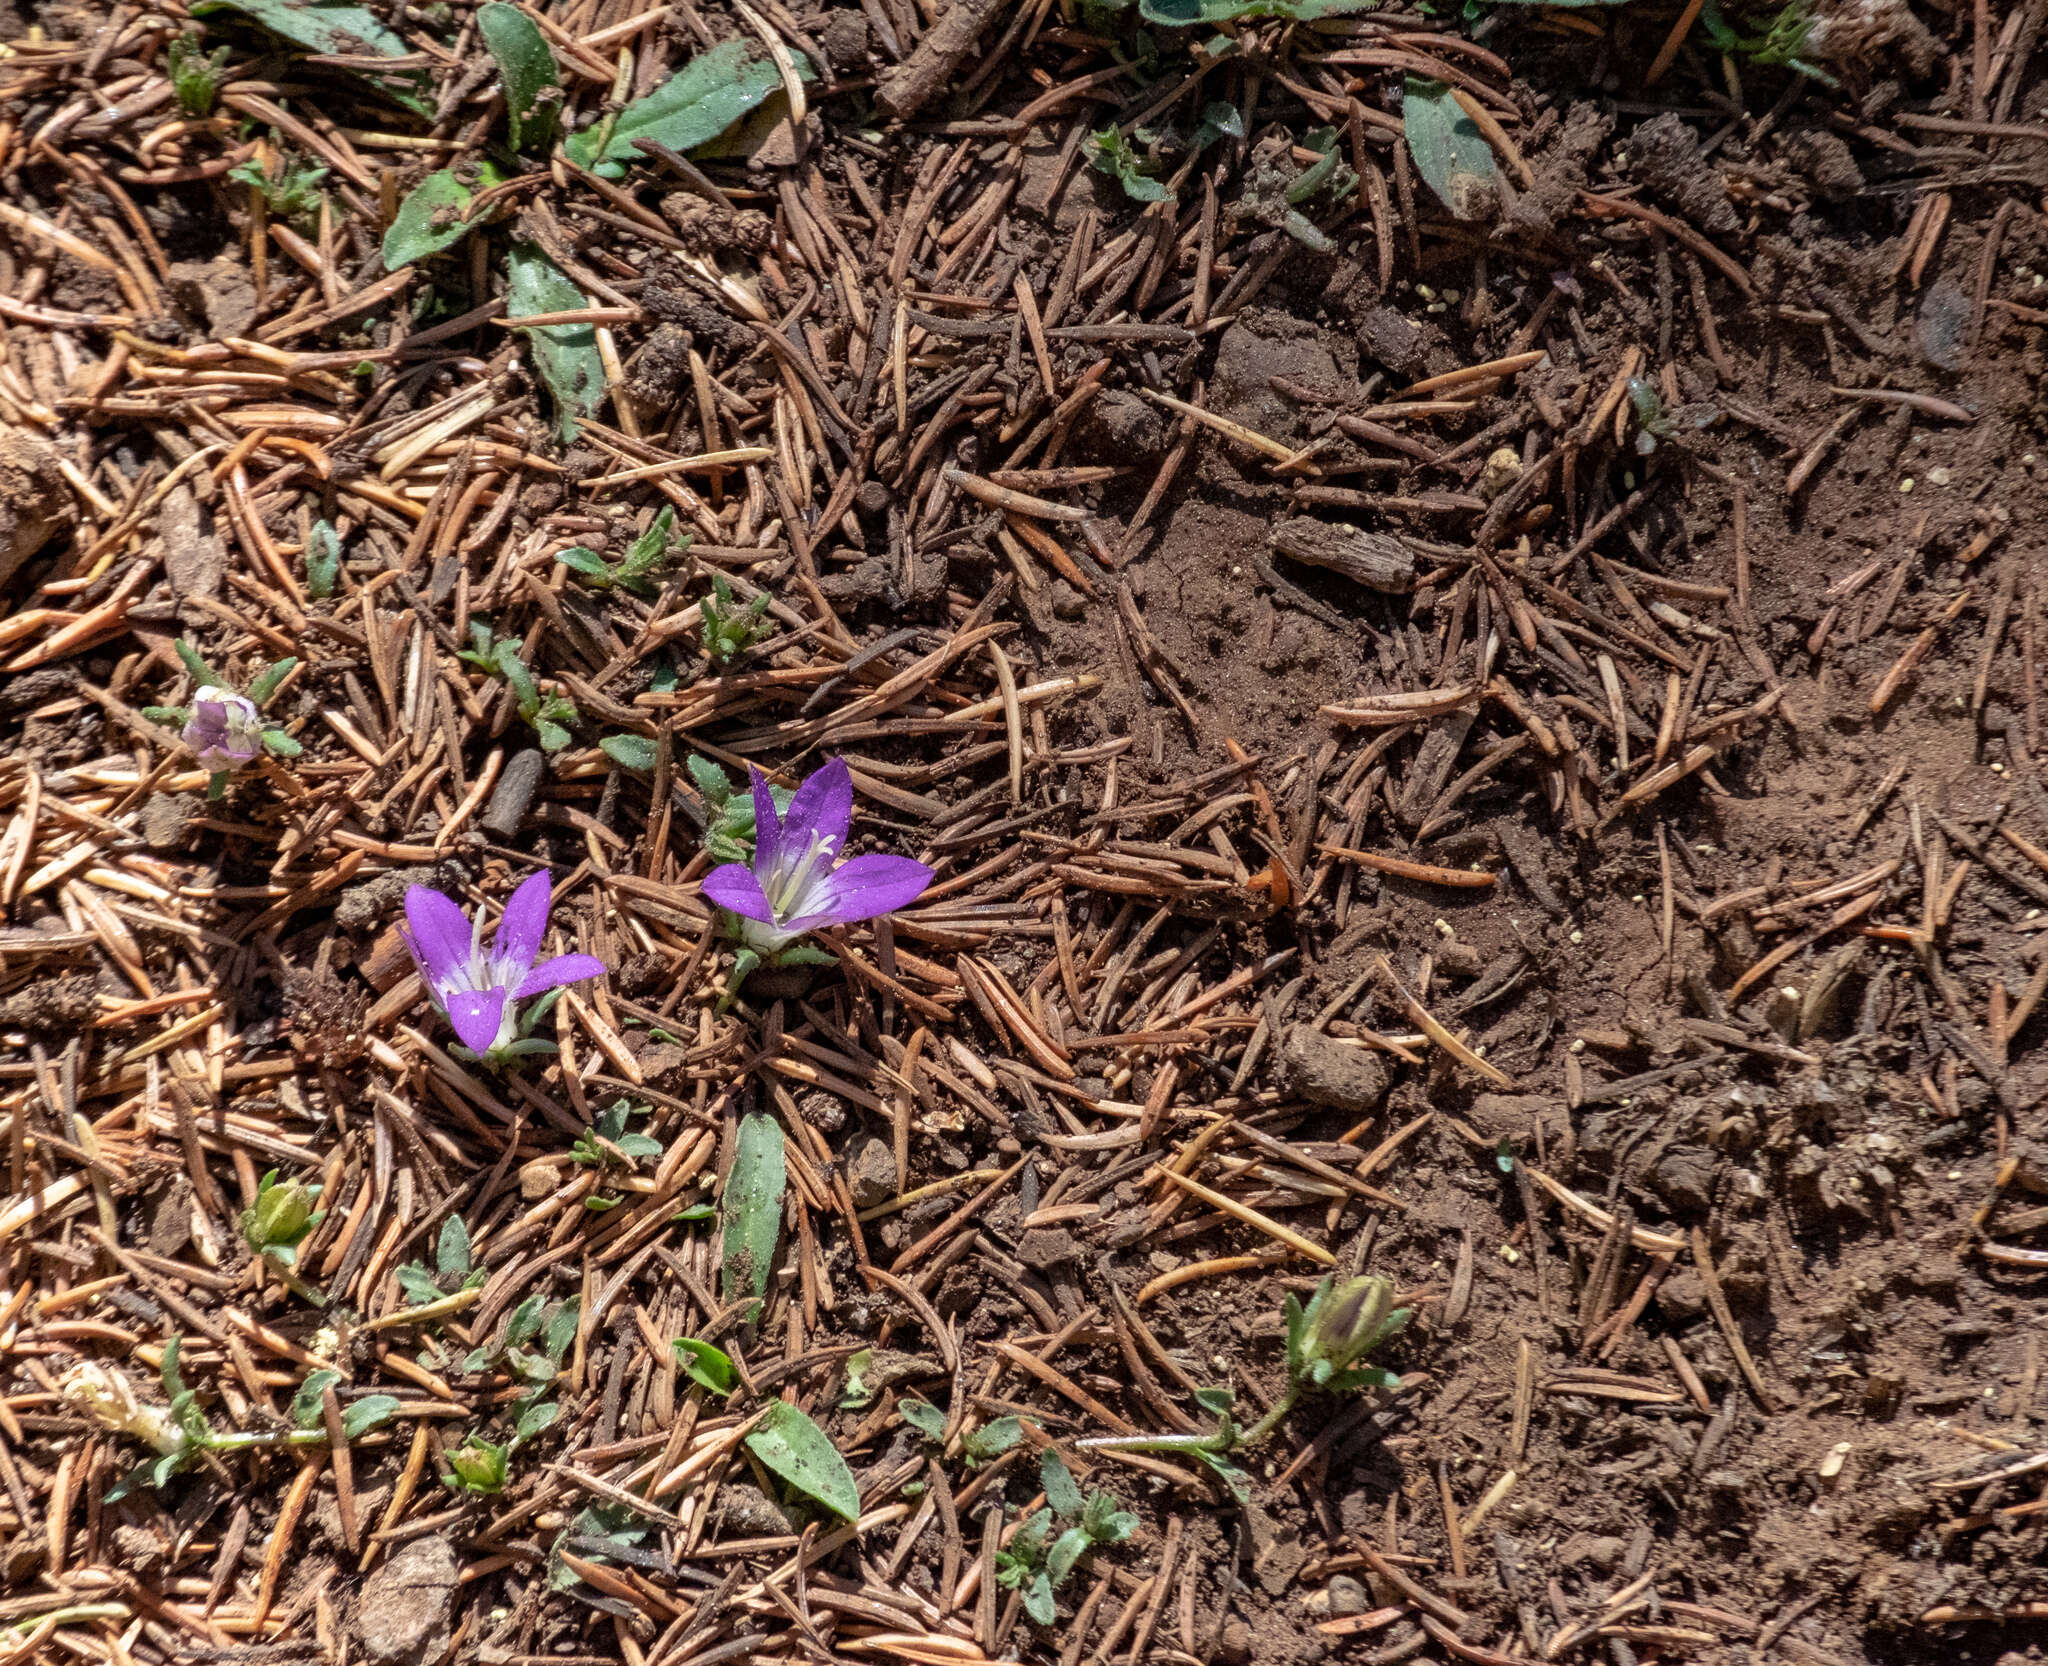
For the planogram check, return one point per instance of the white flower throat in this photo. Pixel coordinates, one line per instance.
(795, 885)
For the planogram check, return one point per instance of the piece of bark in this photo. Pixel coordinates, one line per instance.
(908, 87)
(1367, 558)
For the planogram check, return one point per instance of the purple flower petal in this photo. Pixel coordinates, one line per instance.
(734, 886)
(439, 938)
(520, 931)
(552, 974)
(822, 805)
(866, 887)
(767, 827)
(474, 1015)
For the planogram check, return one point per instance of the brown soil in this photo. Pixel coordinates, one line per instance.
(1718, 860)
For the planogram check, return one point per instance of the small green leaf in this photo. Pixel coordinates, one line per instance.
(372, 1411)
(1061, 1492)
(1236, 1480)
(525, 1323)
(855, 1393)
(711, 92)
(634, 752)
(1110, 152)
(534, 1419)
(1450, 152)
(323, 560)
(587, 562)
(200, 670)
(527, 69)
(1067, 1549)
(418, 1284)
(712, 782)
(1104, 1523)
(276, 741)
(261, 690)
(709, 1367)
(694, 1213)
(752, 1207)
(561, 1329)
(552, 736)
(1038, 1600)
(1215, 1401)
(991, 1440)
(565, 356)
(306, 1403)
(434, 216)
(451, 1253)
(795, 1448)
(924, 1417)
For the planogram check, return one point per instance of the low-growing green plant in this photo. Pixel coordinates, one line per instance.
(1038, 1568)
(553, 1324)
(729, 630)
(451, 1273)
(978, 1445)
(644, 555)
(196, 75)
(1110, 152)
(1782, 45)
(482, 1467)
(603, 1534)
(1327, 1343)
(606, 1143)
(179, 1432)
(291, 193)
(729, 833)
(548, 715)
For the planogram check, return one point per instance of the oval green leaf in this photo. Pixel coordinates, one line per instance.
(1449, 150)
(634, 752)
(711, 92)
(708, 1367)
(564, 355)
(751, 1207)
(527, 69)
(795, 1448)
(433, 217)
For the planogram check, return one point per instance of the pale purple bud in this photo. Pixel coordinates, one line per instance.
(225, 729)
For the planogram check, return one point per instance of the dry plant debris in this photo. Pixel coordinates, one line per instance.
(774, 510)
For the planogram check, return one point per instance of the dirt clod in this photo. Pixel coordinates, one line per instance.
(402, 1617)
(1324, 1071)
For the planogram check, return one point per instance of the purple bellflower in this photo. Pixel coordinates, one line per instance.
(480, 990)
(797, 881)
(225, 729)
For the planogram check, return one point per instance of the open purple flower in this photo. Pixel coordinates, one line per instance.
(225, 729)
(797, 882)
(478, 989)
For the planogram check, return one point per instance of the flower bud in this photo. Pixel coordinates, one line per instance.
(283, 1214)
(225, 729)
(479, 1466)
(1342, 1324)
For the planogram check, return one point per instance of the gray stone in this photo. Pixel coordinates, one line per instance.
(407, 1603)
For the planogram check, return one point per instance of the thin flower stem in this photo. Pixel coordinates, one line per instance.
(243, 1440)
(430, 1310)
(1213, 1442)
